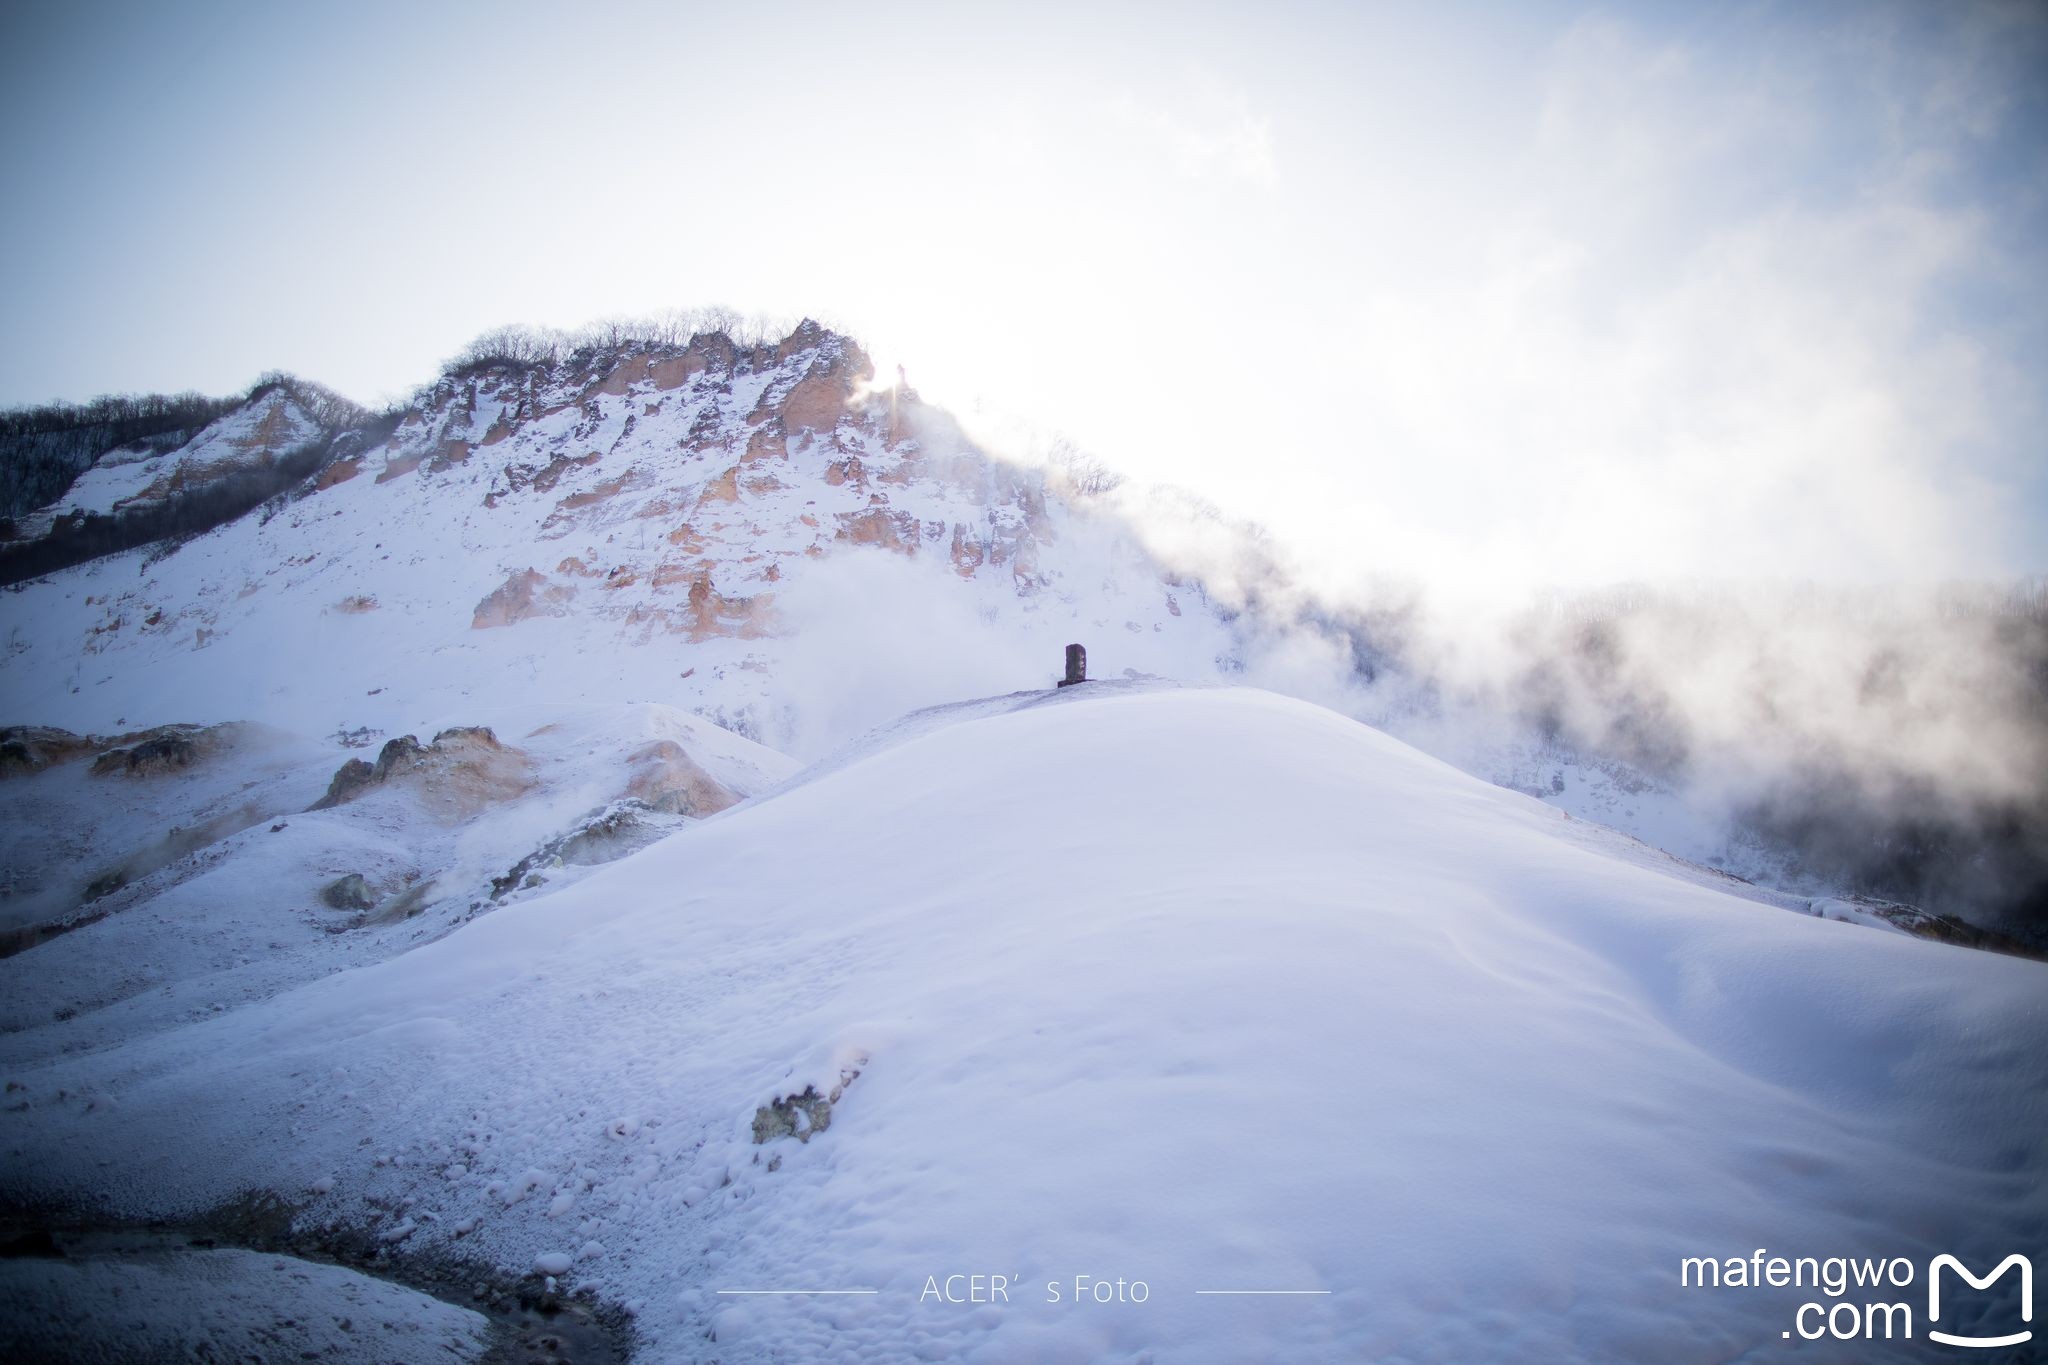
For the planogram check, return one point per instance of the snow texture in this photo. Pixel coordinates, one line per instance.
(1203, 987)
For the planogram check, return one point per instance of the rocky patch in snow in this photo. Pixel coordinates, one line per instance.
(524, 593)
(165, 749)
(666, 778)
(465, 769)
(803, 1115)
(603, 836)
(32, 748)
(348, 892)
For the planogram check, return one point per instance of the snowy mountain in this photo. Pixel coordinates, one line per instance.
(757, 534)
(1204, 989)
(530, 849)
(663, 523)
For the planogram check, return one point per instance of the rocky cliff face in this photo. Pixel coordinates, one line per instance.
(673, 523)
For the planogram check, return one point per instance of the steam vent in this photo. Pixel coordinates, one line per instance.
(1077, 666)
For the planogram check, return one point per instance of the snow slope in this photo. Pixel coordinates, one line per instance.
(1201, 987)
(222, 864)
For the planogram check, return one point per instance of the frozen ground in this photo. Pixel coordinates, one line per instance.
(223, 1305)
(1200, 987)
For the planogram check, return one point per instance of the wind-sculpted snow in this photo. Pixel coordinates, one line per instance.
(1200, 987)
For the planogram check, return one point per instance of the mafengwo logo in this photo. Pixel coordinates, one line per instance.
(1934, 1269)
(1858, 1316)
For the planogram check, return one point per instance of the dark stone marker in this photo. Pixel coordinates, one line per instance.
(1077, 666)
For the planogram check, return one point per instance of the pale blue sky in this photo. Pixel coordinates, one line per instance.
(1565, 291)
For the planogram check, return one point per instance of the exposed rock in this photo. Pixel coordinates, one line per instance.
(967, 554)
(712, 613)
(629, 370)
(468, 734)
(32, 748)
(672, 372)
(349, 781)
(611, 488)
(400, 755)
(165, 749)
(604, 835)
(724, 488)
(348, 893)
(164, 754)
(340, 471)
(1921, 923)
(817, 401)
(610, 834)
(540, 478)
(464, 769)
(448, 454)
(400, 465)
(525, 594)
(769, 442)
(801, 1116)
(878, 526)
(667, 779)
(402, 906)
(802, 337)
(797, 1116)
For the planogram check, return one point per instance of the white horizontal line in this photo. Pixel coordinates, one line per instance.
(799, 1291)
(1262, 1291)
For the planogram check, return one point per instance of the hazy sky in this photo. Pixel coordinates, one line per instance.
(1502, 292)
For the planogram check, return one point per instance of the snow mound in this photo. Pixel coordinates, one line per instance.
(1203, 988)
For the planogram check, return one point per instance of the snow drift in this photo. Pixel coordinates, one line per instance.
(1205, 988)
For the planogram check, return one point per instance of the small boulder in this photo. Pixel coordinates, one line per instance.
(166, 749)
(397, 756)
(797, 1116)
(164, 754)
(404, 905)
(348, 893)
(349, 781)
(801, 1116)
